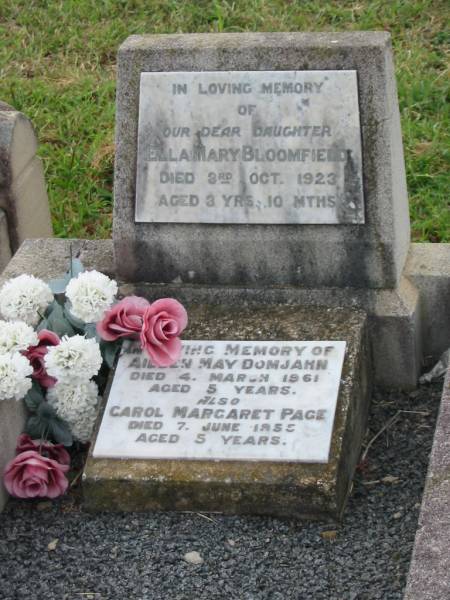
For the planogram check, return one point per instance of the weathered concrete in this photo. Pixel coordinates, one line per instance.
(428, 268)
(430, 566)
(49, 258)
(300, 490)
(315, 256)
(23, 195)
(12, 418)
(5, 248)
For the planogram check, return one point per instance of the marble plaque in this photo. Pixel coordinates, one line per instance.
(249, 147)
(225, 400)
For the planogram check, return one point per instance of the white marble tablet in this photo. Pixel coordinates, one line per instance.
(225, 400)
(249, 147)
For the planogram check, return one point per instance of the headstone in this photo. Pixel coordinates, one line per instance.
(227, 144)
(254, 421)
(5, 248)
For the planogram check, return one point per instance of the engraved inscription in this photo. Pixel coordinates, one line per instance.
(225, 400)
(249, 147)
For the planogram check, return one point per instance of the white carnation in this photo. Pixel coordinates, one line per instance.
(16, 336)
(74, 359)
(76, 403)
(90, 295)
(24, 298)
(15, 370)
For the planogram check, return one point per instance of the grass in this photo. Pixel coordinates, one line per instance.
(57, 65)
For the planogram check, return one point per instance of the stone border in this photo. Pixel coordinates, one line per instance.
(429, 574)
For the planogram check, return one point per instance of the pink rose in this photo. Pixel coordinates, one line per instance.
(31, 475)
(124, 319)
(54, 451)
(164, 320)
(36, 354)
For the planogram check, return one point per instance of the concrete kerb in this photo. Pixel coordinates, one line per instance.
(430, 566)
(428, 268)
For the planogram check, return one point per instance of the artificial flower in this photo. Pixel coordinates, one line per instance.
(54, 451)
(77, 405)
(15, 371)
(24, 298)
(90, 295)
(36, 354)
(163, 322)
(75, 358)
(30, 475)
(16, 336)
(124, 319)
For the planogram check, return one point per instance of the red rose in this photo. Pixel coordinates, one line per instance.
(54, 451)
(163, 321)
(124, 319)
(30, 475)
(36, 354)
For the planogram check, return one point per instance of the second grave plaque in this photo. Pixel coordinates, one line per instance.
(225, 400)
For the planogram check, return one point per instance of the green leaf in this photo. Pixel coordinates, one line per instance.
(35, 427)
(46, 424)
(109, 351)
(90, 331)
(73, 320)
(76, 267)
(58, 286)
(42, 325)
(58, 323)
(34, 397)
(60, 432)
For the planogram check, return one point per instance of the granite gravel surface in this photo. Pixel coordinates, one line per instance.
(57, 551)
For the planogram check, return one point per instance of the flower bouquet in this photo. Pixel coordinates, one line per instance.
(58, 342)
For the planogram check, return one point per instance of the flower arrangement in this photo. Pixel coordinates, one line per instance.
(57, 344)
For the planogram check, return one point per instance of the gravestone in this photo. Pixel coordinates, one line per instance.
(292, 137)
(255, 169)
(250, 420)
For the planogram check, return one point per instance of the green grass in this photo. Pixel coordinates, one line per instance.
(57, 65)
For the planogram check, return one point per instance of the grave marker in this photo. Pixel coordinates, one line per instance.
(225, 400)
(334, 191)
(157, 461)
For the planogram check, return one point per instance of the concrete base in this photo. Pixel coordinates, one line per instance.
(428, 269)
(401, 321)
(285, 489)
